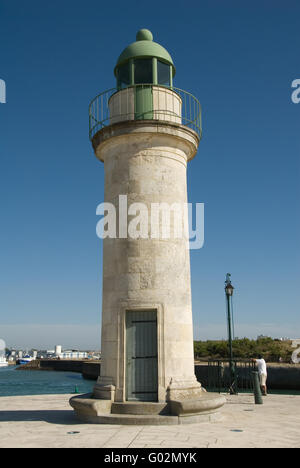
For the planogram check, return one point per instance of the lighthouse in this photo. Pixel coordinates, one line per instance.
(145, 131)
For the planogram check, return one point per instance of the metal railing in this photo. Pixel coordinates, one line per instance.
(217, 375)
(166, 104)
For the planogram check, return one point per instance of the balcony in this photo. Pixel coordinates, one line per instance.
(145, 102)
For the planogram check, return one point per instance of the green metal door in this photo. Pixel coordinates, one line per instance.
(143, 102)
(141, 356)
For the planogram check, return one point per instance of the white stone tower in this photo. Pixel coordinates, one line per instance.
(145, 131)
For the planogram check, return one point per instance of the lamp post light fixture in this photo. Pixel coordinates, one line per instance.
(229, 293)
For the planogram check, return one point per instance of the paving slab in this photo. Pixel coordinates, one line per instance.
(47, 421)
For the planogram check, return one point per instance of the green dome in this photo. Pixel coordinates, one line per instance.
(145, 47)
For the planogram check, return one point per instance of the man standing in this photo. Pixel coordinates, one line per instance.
(262, 371)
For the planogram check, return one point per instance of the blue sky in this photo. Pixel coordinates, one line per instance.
(239, 59)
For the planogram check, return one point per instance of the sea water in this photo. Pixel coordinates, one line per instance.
(18, 382)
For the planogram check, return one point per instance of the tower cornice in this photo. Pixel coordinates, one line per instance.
(183, 135)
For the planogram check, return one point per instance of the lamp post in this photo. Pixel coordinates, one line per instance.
(229, 293)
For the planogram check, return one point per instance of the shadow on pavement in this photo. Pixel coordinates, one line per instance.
(54, 417)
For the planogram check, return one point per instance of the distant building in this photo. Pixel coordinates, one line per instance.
(59, 353)
(296, 343)
(72, 355)
(261, 337)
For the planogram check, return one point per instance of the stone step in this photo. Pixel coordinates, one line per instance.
(136, 419)
(96, 411)
(140, 407)
(147, 419)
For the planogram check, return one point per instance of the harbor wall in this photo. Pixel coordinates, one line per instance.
(88, 369)
(280, 376)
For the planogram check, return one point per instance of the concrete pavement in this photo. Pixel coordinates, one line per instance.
(48, 421)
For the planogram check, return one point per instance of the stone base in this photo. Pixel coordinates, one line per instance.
(95, 411)
(184, 389)
(104, 389)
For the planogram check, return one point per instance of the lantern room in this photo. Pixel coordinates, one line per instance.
(144, 62)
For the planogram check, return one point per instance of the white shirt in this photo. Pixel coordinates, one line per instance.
(262, 366)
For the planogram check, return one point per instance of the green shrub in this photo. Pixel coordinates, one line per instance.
(244, 348)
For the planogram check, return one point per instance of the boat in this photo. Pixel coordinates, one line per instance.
(3, 362)
(25, 359)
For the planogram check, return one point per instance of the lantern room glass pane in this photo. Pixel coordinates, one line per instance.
(124, 76)
(143, 71)
(163, 73)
